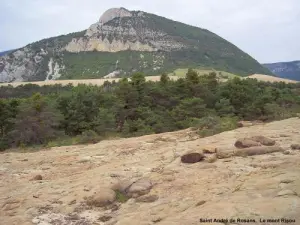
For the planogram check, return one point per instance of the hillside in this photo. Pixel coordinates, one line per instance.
(288, 70)
(173, 193)
(123, 42)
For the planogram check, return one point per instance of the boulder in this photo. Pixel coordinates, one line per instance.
(246, 143)
(295, 146)
(192, 158)
(258, 150)
(140, 187)
(37, 177)
(102, 198)
(224, 154)
(263, 140)
(211, 159)
(209, 150)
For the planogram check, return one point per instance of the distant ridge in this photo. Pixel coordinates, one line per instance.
(288, 70)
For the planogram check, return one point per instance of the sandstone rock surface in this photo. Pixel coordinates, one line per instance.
(261, 186)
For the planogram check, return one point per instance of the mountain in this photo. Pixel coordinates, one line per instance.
(5, 52)
(122, 42)
(288, 70)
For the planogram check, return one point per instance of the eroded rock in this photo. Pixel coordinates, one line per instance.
(192, 158)
(263, 140)
(245, 143)
(295, 146)
(209, 150)
(37, 177)
(140, 187)
(103, 197)
(259, 150)
(147, 198)
(286, 193)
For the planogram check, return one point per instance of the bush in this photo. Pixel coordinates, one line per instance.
(88, 137)
(212, 125)
(3, 144)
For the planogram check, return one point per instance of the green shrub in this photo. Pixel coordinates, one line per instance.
(121, 197)
(3, 144)
(88, 137)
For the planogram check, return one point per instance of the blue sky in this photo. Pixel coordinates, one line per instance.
(267, 30)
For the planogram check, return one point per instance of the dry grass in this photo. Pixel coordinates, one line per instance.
(100, 82)
(262, 77)
(97, 82)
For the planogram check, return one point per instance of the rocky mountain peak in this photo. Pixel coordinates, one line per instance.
(112, 13)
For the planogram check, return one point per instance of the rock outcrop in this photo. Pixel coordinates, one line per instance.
(163, 190)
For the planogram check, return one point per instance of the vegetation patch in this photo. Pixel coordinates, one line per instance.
(32, 115)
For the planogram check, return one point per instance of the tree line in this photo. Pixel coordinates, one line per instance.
(63, 115)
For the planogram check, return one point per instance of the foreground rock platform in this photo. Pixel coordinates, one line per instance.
(246, 187)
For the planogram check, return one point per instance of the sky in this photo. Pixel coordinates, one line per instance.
(268, 30)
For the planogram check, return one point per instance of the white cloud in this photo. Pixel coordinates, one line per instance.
(267, 30)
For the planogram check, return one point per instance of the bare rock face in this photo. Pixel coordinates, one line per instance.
(131, 34)
(114, 13)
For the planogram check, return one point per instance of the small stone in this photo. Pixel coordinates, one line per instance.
(295, 146)
(168, 178)
(286, 193)
(45, 168)
(37, 177)
(246, 143)
(86, 189)
(85, 159)
(105, 218)
(114, 175)
(156, 219)
(35, 220)
(263, 140)
(201, 203)
(24, 160)
(224, 155)
(212, 159)
(287, 181)
(72, 202)
(209, 150)
(287, 152)
(35, 196)
(147, 198)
